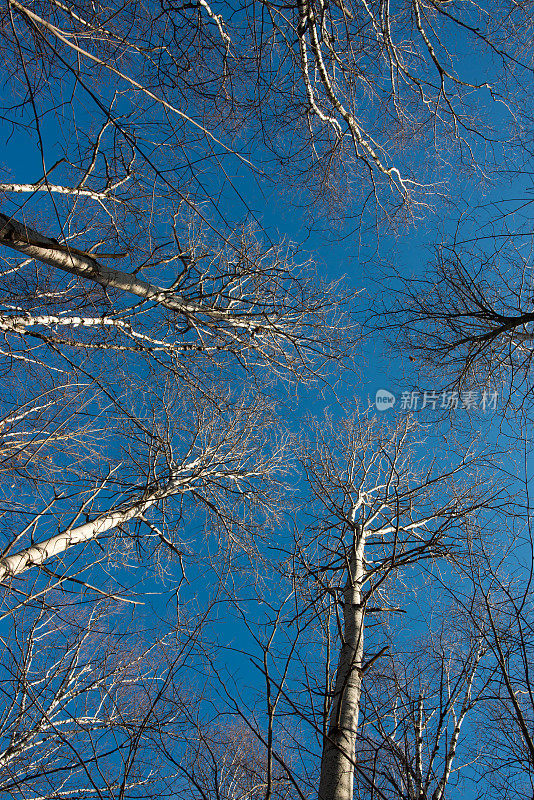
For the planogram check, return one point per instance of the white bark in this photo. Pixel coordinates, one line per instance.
(20, 323)
(439, 792)
(37, 554)
(34, 245)
(24, 188)
(363, 144)
(337, 763)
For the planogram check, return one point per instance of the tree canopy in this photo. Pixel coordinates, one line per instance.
(223, 577)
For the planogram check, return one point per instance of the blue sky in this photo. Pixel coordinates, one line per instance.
(356, 250)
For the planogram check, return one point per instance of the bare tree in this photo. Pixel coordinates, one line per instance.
(222, 463)
(499, 611)
(241, 303)
(379, 513)
(342, 95)
(376, 517)
(414, 707)
(466, 325)
(81, 711)
(146, 322)
(225, 760)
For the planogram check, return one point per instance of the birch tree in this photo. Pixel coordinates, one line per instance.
(499, 611)
(240, 305)
(149, 316)
(419, 711)
(218, 462)
(328, 637)
(337, 94)
(380, 513)
(81, 711)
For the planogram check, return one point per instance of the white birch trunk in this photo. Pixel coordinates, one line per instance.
(24, 188)
(33, 244)
(37, 554)
(337, 763)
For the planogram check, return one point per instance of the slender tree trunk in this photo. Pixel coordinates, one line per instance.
(337, 763)
(33, 244)
(37, 554)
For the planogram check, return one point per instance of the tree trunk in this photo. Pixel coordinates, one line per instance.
(337, 763)
(37, 554)
(33, 244)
